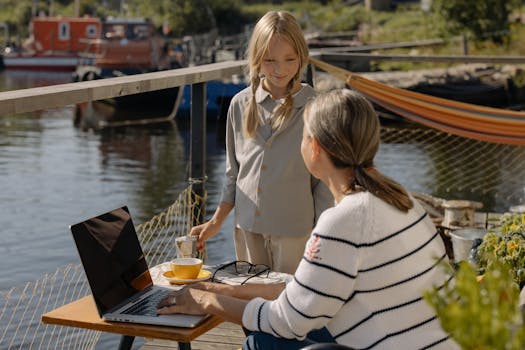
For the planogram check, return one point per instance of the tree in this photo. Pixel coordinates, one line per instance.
(483, 19)
(186, 17)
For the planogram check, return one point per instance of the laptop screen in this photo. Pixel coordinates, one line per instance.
(112, 257)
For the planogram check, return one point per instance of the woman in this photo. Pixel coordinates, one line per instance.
(368, 260)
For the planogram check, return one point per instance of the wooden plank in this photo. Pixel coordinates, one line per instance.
(33, 99)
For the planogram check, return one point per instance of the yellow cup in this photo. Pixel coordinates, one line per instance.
(186, 268)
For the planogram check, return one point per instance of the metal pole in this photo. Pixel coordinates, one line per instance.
(310, 74)
(198, 150)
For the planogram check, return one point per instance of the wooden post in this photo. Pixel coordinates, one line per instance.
(310, 74)
(378, 5)
(198, 150)
(464, 41)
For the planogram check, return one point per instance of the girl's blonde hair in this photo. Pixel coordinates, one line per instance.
(285, 25)
(347, 127)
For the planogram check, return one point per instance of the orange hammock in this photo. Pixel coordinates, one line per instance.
(458, 118)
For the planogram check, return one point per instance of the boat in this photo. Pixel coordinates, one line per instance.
(130, 46)
(126, 46)
(55, 43)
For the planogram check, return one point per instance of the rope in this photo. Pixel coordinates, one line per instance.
(458, 118)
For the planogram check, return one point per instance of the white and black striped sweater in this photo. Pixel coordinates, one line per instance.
(365, 268)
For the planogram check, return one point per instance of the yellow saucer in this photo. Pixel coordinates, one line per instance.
(203, 276)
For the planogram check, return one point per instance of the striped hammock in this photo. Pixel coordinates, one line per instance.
(458, 118)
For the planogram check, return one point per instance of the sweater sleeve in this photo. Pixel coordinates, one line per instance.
(321, 285)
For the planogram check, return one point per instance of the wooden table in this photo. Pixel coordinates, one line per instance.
(83, 313)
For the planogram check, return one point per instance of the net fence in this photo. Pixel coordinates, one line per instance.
(21, 308)
(441, 164)
(454, 167)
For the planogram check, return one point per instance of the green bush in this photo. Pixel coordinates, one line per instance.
(481, 314)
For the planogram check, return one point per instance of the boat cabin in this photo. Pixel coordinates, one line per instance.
(128, 44)
(66, 34)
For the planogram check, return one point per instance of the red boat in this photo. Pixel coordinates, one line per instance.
(129, 46)
(56, 43)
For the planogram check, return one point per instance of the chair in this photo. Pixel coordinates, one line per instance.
(326, 346)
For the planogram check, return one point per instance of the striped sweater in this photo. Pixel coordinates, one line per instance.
(362, 276)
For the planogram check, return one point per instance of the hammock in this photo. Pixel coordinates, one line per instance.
(458, 118)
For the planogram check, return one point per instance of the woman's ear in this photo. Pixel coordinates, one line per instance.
(316, 148)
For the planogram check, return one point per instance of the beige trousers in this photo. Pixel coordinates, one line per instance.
(281, 253)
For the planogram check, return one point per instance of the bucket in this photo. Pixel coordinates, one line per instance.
(462, 241)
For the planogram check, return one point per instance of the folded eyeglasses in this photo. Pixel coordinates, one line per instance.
(241, 268)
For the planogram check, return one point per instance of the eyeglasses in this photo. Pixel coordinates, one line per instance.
(240, 268)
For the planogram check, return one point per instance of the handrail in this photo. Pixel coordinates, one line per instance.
(349, 57)
(39, 98)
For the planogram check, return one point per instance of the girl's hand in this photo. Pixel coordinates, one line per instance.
(185, 301)
(204, 232)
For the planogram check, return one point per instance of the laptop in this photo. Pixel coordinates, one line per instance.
(118, 273)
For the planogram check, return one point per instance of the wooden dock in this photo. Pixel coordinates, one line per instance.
(226, 336)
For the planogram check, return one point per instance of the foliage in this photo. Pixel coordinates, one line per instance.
(505, 243)
(481, 18)
(186, 17)
(481, 314)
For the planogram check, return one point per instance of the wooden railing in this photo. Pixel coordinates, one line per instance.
(33, 99)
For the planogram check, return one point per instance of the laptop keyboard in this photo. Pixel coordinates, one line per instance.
(147, 306)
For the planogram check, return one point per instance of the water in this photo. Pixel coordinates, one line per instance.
(53, 174)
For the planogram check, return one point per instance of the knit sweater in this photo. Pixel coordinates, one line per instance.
(362, 276)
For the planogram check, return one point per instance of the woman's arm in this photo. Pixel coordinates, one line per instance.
(199, 302)
(246, 291)
(227, 302)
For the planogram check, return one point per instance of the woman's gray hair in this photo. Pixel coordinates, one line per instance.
(348, 129)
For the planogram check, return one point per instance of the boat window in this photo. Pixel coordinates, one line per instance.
(63, 31)
(115, 31)
(140, 31)
(91, 31)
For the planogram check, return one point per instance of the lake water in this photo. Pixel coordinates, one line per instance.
(54, 174)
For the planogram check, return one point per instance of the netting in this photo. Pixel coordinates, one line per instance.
(21, 308)
(455, 167)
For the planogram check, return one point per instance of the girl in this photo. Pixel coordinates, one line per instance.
(276, 200)
(366, 265)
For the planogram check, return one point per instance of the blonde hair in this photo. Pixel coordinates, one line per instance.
(285, 25)
(347, 127)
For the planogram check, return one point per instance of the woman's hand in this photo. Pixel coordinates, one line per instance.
(194, 301)
(204, 232)
(189, 301)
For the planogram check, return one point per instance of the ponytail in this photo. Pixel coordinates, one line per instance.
(251, 115)
(381, 186)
